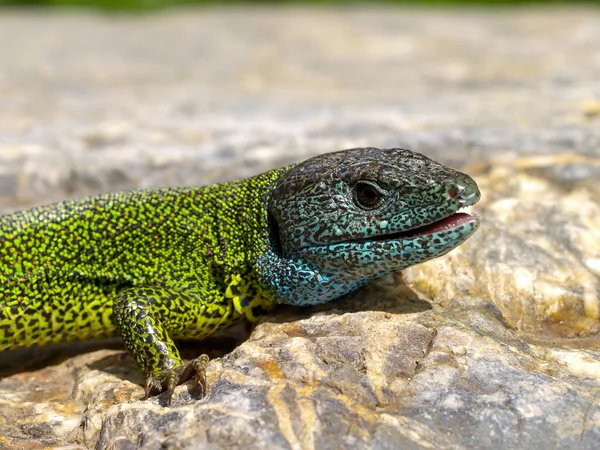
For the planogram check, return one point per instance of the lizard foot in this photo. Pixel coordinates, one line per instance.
(169, 379)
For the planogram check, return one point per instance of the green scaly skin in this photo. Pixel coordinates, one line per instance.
(163, 264)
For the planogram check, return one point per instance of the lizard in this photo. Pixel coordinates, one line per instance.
(156, 265)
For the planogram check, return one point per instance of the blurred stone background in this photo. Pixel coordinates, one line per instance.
(505, 354)
(93, 102)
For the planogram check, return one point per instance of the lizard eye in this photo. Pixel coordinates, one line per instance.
(367, 195)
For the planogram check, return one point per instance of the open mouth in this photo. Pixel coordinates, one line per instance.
(447, 223)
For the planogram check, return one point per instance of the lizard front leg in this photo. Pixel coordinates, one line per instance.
(147, 319)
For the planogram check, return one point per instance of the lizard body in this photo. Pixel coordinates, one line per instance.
(163, 264)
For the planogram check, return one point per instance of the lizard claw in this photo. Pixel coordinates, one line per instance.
(199, 368)
(168, 380)
(152, 384)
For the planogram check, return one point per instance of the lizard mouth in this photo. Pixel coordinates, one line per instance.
(451, 222)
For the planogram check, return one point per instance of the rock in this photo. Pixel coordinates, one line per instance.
(495, 345)
(536, 255)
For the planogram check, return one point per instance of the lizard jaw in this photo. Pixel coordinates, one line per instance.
(448, 223)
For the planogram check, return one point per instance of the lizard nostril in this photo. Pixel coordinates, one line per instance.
(453, 192)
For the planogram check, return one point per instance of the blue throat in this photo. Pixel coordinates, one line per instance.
(337, 269)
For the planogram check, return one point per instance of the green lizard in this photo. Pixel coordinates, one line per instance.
(163, 264)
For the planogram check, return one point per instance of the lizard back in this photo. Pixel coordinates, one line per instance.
(62, 265)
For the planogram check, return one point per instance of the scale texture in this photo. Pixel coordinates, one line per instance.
(164, 264)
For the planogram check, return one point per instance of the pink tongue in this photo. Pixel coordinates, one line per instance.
(453, 221)
(448, 223)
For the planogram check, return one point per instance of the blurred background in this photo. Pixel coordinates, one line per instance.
(145, 4)
(112, 95)
(109, 95)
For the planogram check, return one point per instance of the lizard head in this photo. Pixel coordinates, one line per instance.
(361, 213)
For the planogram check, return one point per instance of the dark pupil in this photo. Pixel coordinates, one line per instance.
(367, 195)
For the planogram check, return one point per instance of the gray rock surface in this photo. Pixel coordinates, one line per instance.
(496, 345)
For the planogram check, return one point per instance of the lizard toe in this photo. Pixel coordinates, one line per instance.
(167, 380)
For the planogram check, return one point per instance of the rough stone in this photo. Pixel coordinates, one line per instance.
(496, 345)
